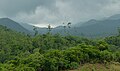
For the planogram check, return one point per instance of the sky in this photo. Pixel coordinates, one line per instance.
(55, 12)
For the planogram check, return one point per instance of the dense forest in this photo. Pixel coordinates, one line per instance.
(48, 52)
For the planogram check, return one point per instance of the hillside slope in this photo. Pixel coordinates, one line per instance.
(13, 25)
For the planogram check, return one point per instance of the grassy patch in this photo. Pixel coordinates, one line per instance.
(99, 67)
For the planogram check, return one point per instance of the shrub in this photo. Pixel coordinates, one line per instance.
(74, 65)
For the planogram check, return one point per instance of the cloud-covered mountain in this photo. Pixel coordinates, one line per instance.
(104, 27)
(94, 28)
(91, 28)
(114, 17)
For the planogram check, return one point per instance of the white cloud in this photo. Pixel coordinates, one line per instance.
(74, 11)
(111, 8)
(41, 16)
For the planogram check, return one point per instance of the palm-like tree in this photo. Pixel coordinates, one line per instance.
(69, 24)
(35, 30)
(49, 28)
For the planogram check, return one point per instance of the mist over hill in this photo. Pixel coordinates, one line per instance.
(91, 28)
(94, 28)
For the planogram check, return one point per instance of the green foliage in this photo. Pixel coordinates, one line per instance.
(114, 40)
(47, 52)
(106, 56)
(102, 45)
(74, 65)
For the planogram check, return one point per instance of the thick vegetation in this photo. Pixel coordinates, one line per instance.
(47, 52)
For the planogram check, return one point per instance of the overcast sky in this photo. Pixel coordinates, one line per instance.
(55, 12)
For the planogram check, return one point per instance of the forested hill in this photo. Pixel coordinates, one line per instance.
(48, 52)
(96, 28)
(10, 39)
(13, 25)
